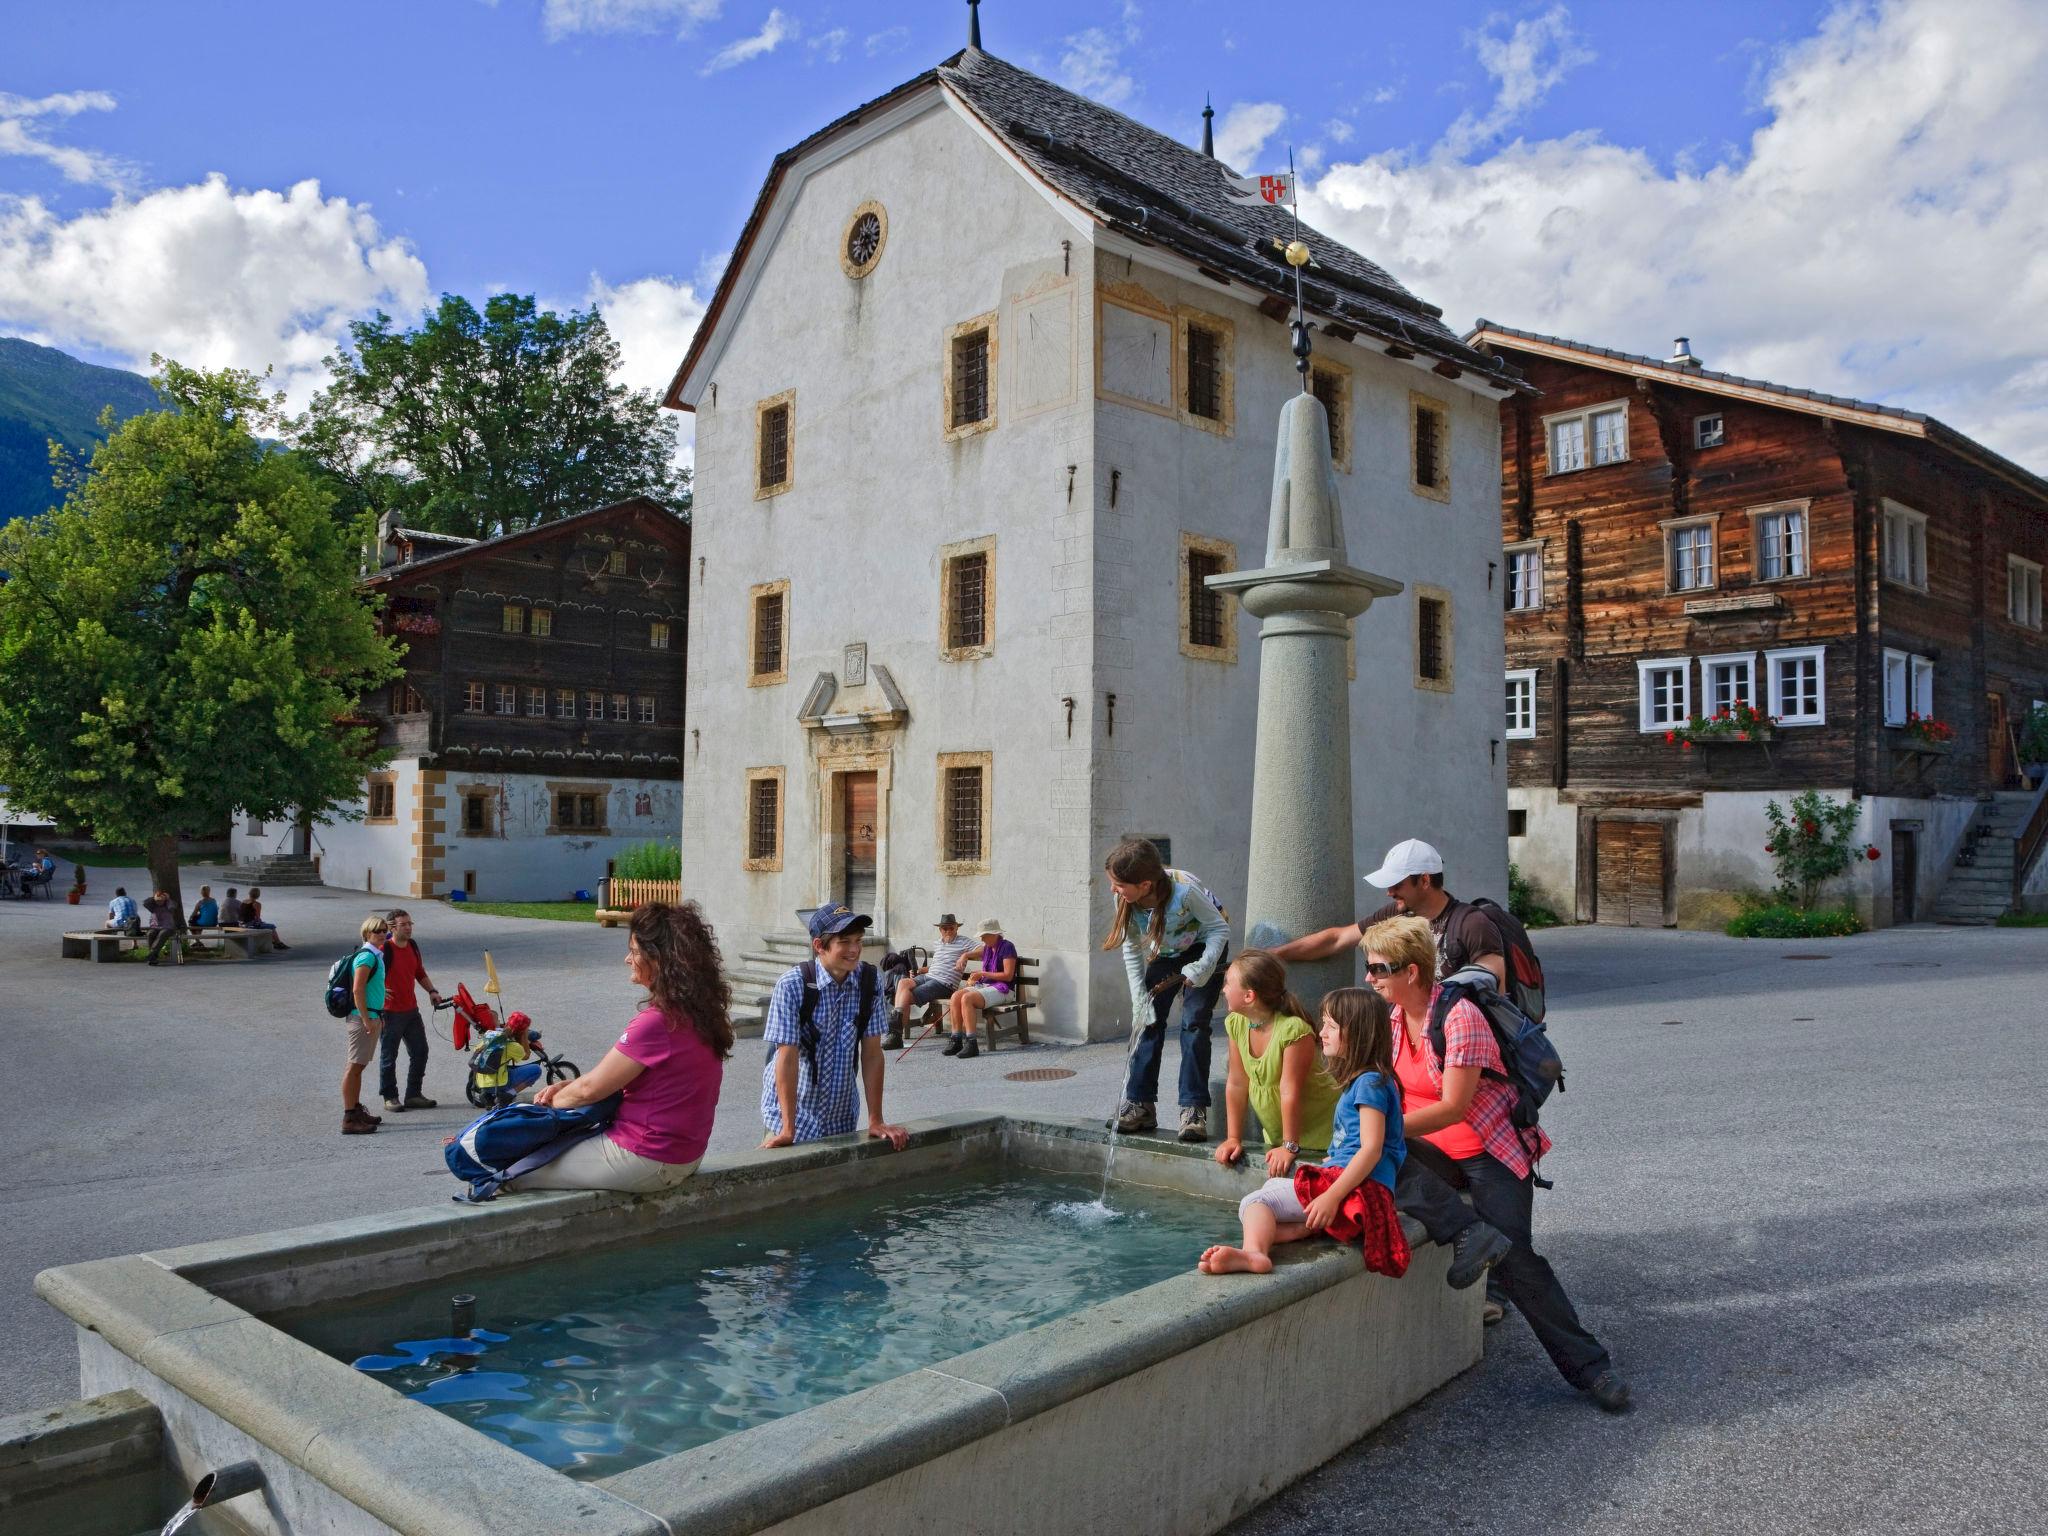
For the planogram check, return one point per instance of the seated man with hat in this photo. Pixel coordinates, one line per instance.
(941, 975)
(823, 1016)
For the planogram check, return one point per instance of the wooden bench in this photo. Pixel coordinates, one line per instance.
(997, 1019)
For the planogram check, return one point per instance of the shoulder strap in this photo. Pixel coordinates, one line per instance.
(870, 985)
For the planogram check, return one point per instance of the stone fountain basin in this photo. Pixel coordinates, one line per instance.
(1171, 1409)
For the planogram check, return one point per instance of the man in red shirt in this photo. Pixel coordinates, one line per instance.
(404, 968)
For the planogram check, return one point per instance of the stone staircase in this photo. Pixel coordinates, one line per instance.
(275, 869)
(1979, 888)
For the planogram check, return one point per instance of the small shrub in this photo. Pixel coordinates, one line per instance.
(2024, 920)
(649, 861)
(1522, 901)
(1810, 844)
(1781, 920)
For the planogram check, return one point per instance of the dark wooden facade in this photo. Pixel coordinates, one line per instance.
(604, 580)
(1606, 590)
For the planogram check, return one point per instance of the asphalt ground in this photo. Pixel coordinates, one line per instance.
(1801, 1200)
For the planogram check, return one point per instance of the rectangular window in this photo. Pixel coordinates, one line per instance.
(1525, 577)
(622, 707)
(1432, 638)
(1596, 435)
(1798, 685)
(1729, 680)
(565, 703)
(1780, 544)
(1905, 546)
(476, 813)
(2023, 591)
(593, 705)
(1518, 823)
(615, 563)
(537, 703)
(1208, 619)
(407, 700)
(1205, 608)
(472, 698)
(766, 663)
(1521, 705)
(515, 619)
(1708, 431)
(542, 622)
(1908, 687)
(1332, 386)
(643, 706)
(764, 820)
(579, 810)
(771, 432)
(969, 378)
(1689, 556)
(657, 635)
(1429, 469)
(1663, 694)
(383, 800)
(1205, 373)
(967, 601)
(506, 698)
(1923, 687)
(963, 815)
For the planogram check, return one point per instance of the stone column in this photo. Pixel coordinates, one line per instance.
(1301, 873)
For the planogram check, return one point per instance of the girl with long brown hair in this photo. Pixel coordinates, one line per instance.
(1276, 1070)
(666, 1068)
(1174, 939)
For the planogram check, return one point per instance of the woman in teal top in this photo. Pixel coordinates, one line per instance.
(1275, 1066)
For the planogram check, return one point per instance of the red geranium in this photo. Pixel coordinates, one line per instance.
(1872, 854)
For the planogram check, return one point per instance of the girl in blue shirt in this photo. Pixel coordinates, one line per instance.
(1351, 1197)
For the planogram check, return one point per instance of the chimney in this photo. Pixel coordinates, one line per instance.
(1681, 353)
(387, 551)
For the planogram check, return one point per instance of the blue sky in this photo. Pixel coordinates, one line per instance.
(1621, 169)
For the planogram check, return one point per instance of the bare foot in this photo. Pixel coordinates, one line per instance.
(1223, 1260)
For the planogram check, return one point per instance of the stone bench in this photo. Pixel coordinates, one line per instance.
(245, 943)
(106, 944)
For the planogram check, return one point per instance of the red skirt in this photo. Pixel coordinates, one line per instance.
(1367, 1218)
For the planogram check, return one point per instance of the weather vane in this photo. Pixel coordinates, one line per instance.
(1278, 191)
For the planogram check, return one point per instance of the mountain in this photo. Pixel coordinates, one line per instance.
(45, 393)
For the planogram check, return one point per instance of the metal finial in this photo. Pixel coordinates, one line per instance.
(974, 23)
(1208, 132)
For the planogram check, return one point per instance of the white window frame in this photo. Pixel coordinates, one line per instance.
(1923, 687)
(1645, 721)
(1746, 660)
(1523, 677)
(1904, 518)
(1587, 437)
(1818, 655)
(1699, 431)
(1759, 516)
(2023, 581)
(1533, 549)
(1673, 527)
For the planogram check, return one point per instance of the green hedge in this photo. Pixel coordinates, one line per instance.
(649, 861)
(1777, 920)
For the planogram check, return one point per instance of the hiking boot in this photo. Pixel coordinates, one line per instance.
(354, 1122)
(1194, 1123)
(971, 1049)
(1473, 1252)
(1491, 1312)
(955, 1046)
(1609, 1391)
(892, 1040)
(396, 1106)
(418, 1101)
(1133, 1117)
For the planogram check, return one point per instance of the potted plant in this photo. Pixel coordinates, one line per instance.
(1737, 725)
(1926, 731)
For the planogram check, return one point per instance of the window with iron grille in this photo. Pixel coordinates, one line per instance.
(383, 800)
(768, 633)
(542, 622)
(1429, 469)
(507, 699)
(1432, 650)
(565, 703)
(537, 703)
(472, 698)
(970, 378)
(774, 447)
(515, 619)
(593, 706)
(589, 810)
(476, 814)
(1205, 373)
(963, 815)
(967, 601)
(1331, 388)
(657, 635)
(764, 818)
(645, 703)
(1205, 608)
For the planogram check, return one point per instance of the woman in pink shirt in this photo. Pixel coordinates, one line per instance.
(667, 1065)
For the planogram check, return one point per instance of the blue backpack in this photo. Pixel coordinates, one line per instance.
(1532, 1064)
(501, 1144)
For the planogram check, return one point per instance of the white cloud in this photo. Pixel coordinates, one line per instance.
(1093, 65)
(1242, 135)
(206, 275)
(831, 46)
(1339, 131)
(21, 134)
(889, 40)
(565, 18)
(1526, 63)
(1883, 234)
(775, 31)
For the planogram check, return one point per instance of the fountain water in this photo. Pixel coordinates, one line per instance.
(217, 1487)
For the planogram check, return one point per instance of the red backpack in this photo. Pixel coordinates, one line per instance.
(1524, 970)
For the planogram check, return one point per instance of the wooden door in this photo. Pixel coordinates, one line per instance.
(857, 837)
(1999, 756)
(1628, 873)
(1905, 875)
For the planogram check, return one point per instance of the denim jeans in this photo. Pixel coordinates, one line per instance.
(1427, 1189)
(410, 1030)
(1197, 1007)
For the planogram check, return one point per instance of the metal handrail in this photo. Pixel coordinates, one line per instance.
(2032, 837)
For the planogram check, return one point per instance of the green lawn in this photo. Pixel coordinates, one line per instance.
(106, 858)
(554, 911)
(2024, 920)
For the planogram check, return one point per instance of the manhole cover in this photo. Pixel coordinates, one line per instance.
(1806, 957)
(1669, 1023)
(1802, 1018)
(1038, 1075)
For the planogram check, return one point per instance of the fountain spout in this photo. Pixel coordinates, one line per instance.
(217, 1487)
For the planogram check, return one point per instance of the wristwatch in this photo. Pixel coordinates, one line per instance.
(1292, 1146)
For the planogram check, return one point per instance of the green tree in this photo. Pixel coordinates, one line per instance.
(478, 424)
(181, 638)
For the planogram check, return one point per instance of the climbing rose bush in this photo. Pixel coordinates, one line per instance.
(1811, 843)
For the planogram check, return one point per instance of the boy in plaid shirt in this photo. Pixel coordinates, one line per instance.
(807, 1086)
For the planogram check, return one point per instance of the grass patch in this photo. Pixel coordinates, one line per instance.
(1780, 920)
(114, 858)
(553, 911)
(2024, 920)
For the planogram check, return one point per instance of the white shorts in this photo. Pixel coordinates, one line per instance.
(1277, 1196)
(598, 1162)
(991, 997)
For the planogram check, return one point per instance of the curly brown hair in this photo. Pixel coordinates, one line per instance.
(689, 974)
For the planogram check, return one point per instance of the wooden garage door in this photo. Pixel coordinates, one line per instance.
(1629, 873)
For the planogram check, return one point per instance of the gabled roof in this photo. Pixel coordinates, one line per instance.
(671, 527)
(1149, 188)
(1865, 413)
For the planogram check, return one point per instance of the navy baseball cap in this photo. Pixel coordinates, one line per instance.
(837, 918)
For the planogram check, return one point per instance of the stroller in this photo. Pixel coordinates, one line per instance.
(507, 1058)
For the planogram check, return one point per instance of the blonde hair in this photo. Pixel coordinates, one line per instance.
(375, 923)
(1402, 942)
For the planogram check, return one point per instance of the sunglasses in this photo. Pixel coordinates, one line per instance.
(1378, 968)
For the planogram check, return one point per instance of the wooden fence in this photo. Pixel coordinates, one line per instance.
(625, 895)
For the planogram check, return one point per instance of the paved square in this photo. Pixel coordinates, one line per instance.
(1800, 1199)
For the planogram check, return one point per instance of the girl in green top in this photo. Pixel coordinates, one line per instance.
(1275, 1066)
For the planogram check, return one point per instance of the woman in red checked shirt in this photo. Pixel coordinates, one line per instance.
(1456, 1112)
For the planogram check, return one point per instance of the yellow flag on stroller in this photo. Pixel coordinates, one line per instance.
(491, 971)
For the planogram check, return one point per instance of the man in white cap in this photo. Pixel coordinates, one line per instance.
(1413, 875)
